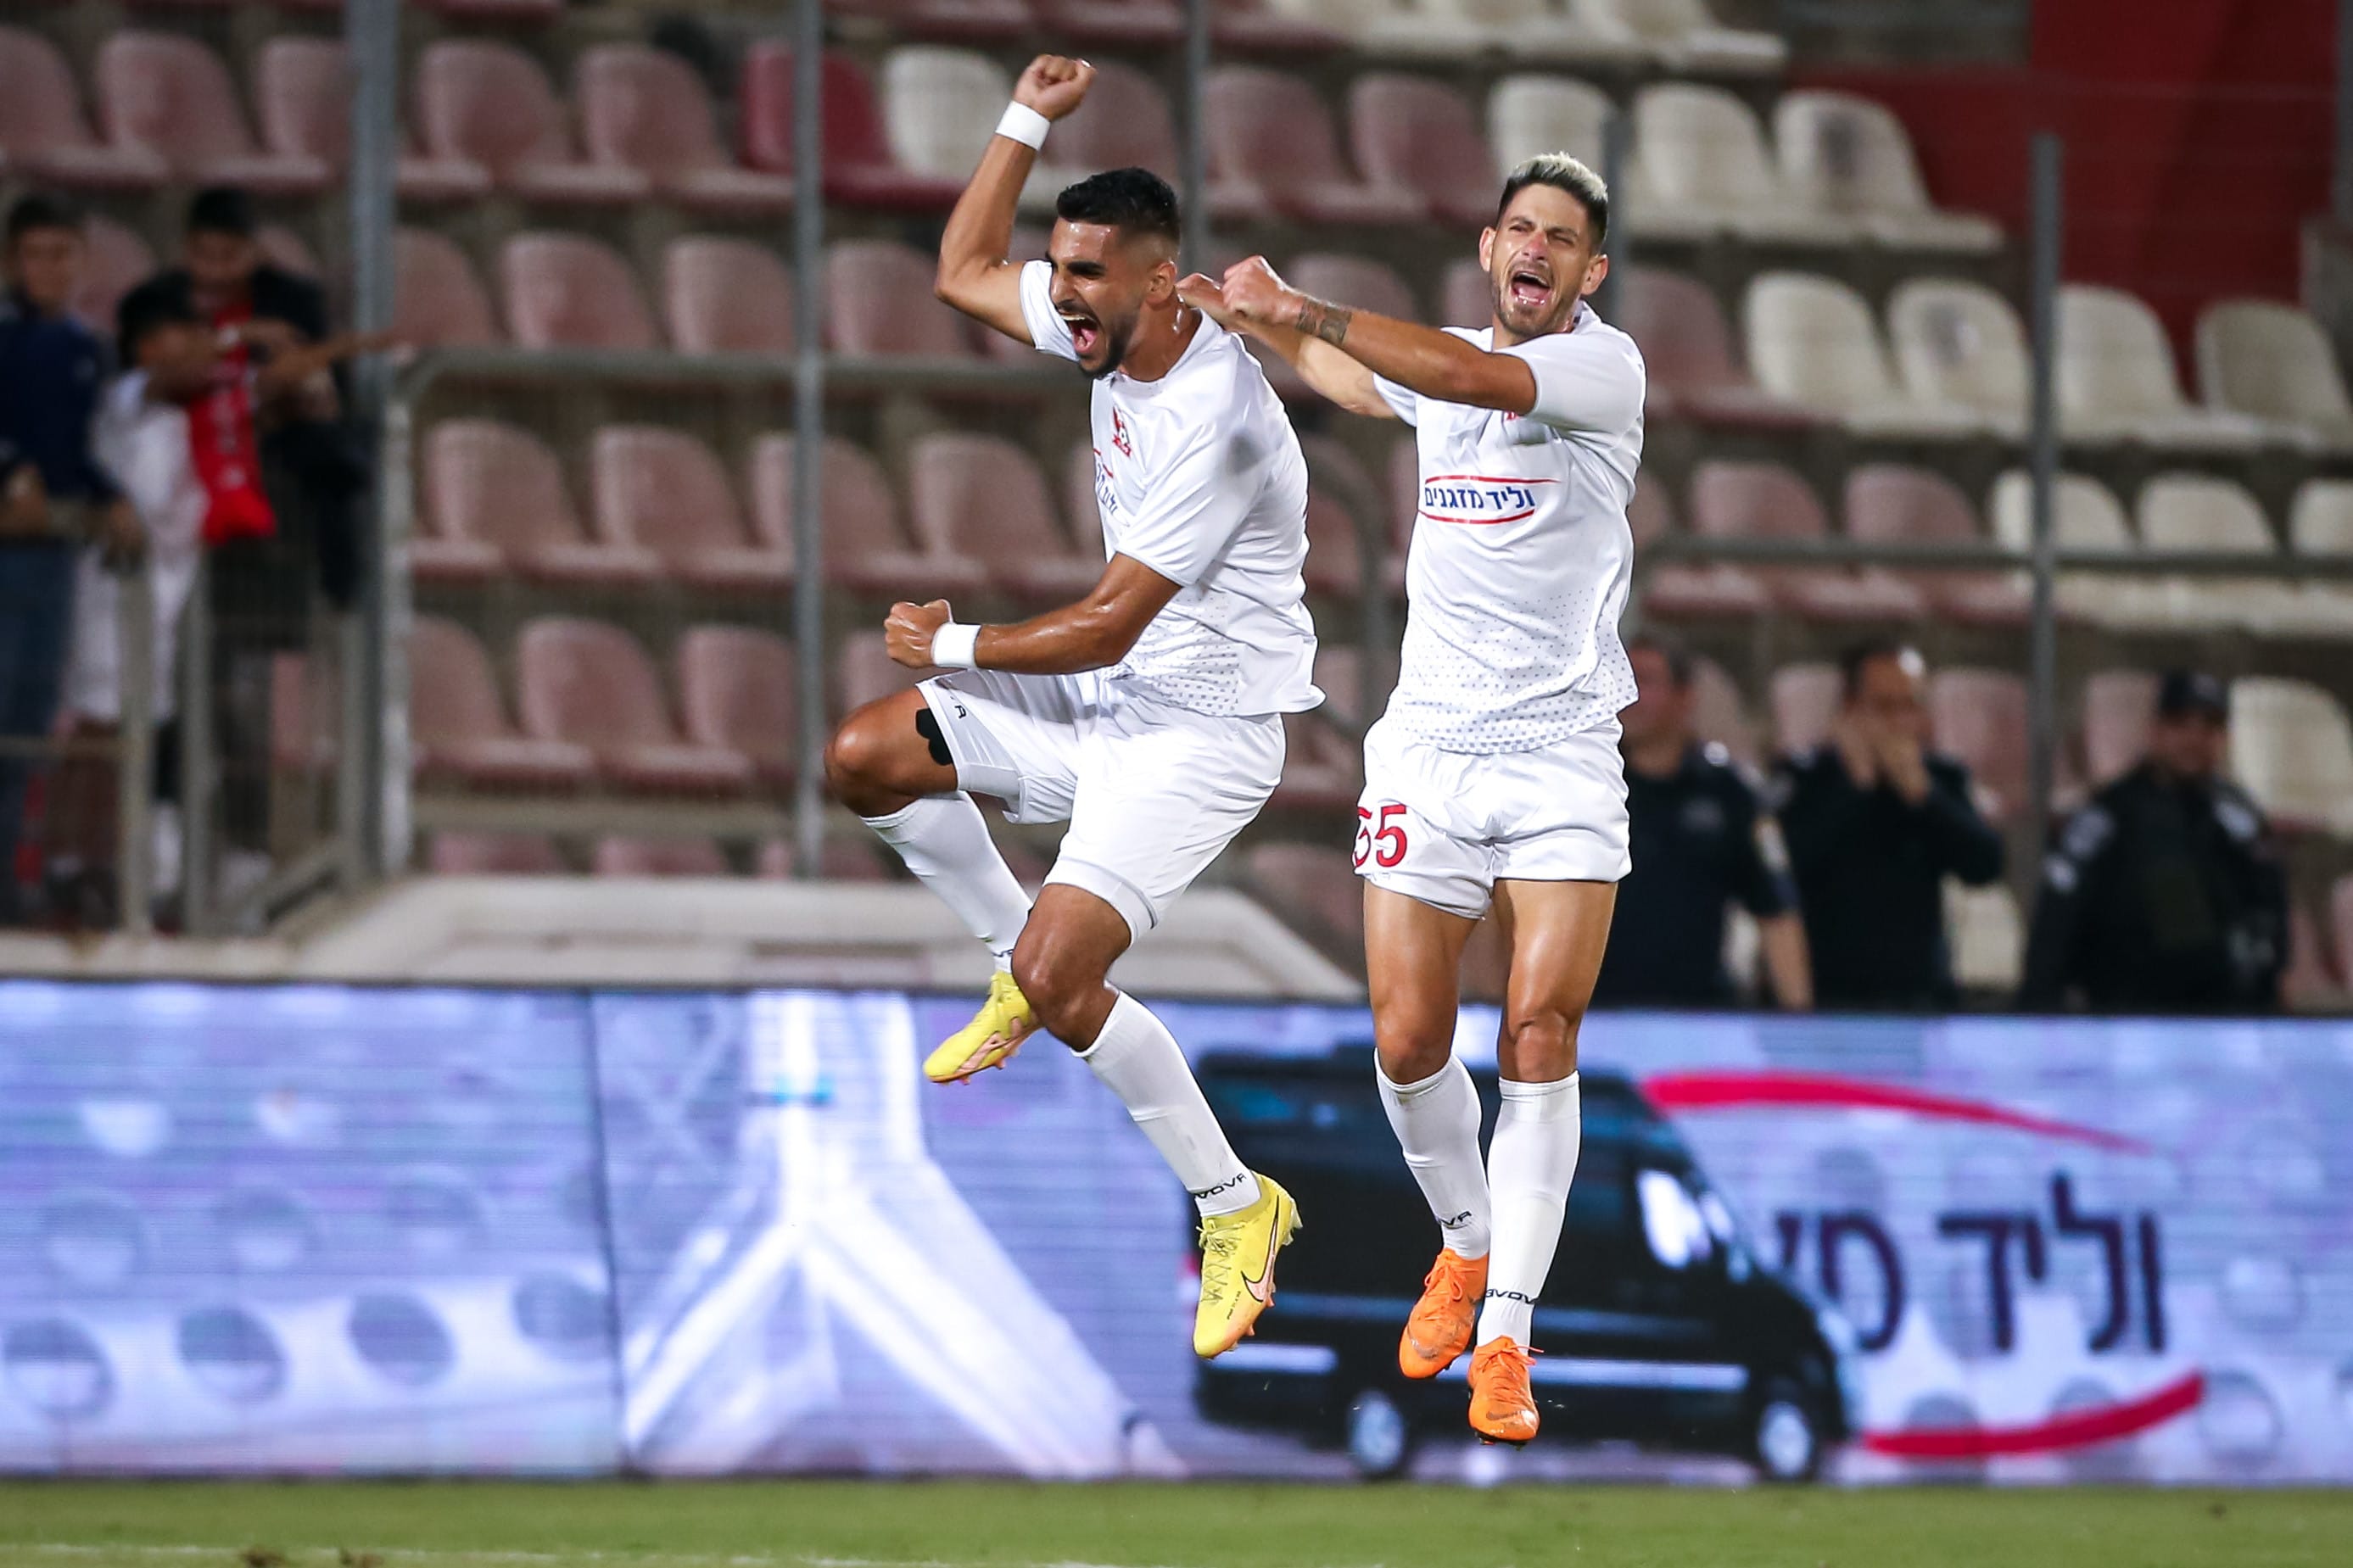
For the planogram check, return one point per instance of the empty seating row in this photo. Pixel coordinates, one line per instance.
(1676, 35)
(469, 854)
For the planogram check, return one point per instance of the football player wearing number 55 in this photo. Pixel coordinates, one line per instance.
(1494, 776)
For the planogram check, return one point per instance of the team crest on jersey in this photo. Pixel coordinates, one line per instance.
(1106, 493)
(1479, 499)
(1119, 434)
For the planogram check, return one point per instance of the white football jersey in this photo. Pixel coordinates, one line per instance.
(1198, 476)
(1521, 559)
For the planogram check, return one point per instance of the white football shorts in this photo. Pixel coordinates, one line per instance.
(1152, 791)
(1446, 827)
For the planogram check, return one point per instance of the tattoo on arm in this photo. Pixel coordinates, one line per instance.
(1319, 320)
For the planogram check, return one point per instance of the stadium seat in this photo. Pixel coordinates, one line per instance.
(1337, 491)
(288, 251)
(2306, 985)
(664, 490)
(838, 860)
(569, 291)
(1812, 340)
(43, 134)
(1979, 718)
(2273, 362)
(2292, 748)
(1404, 491)
(495, 11)
(1718, 715)
(302, 99)
(1961, 344)
(1532, 114)
(457, 723)
(737, 691)
(1413, 133)
(1466, 294)
(866, 546)
(1896, 504)
(1125, 123)
(1313, 884)
(2340, 929)
(864, 671)
(1682, 590)
(495, 499)
(947, 21)
(1268, 131)
(721, 295)
(665, 857)
(940, 105)
(590, 683)
(1356, 280)
(1986, 931)
(878, 300)
(1683, 35)
(645, 110)
(2320, 523)
(1701, 167)
(171, 97)
(2118, 707)
(1132, 25)
(1687, 352)
(2086, 517)
(115, 262)
(983, 498)
(493, 854)
(1804, 700)
(1764, 501)
(1259, 28)
(491, 104)
(2115, 379)
(437, 303)
(1845, 154)
(2200, 513)
(860, 170)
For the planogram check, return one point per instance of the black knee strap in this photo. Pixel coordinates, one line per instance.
(928, 725)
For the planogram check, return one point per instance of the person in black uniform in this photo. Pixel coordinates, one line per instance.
(1875, 824)
(1701, 836)
(2163, 894)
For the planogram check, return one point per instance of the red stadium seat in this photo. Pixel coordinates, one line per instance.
(1268, 131)
(303, 97)
(982, 497)
(737, 689)
(949, 21)
(496, 499)
(1355, 280)
(1687, 350)
(493, 854)
(1765, 501)
(1114, 23)
(491, 104)
(864, 671)
(590, 683)
(171, 97)
(1466, 294)
(866, 546)
(43, 133)
(569, 291)
(459, 723)
(1680, 591)
(838, 860)
(726, 296)
(1979, 717)
(287, 250)
(1315, 883)
(878, 300)
(667, 857)
(1804, 700)
(1412, 133)
(495, 10)
(1344, 510)
(1255, 27)
(645, 109)
(2119, 705)
(665, 491)
(115, 262)
(859, 171)
(437, 303)
(1126, 123)
(1894, 504)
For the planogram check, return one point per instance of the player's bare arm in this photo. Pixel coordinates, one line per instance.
(1092, 634)
(1330, 371)
(975, 274)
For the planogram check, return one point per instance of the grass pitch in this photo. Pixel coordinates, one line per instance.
(883, 1524)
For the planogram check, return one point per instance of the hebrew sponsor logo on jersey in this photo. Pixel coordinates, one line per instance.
(1480, 499)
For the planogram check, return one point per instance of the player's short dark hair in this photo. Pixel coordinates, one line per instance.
(1871, 649)
(222, 209)
(155, 304)
(1678, 657)
(1562, 172)
(39, 210)
(1135, 200)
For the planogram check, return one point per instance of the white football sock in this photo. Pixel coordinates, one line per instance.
(1529, 1167)
(1139, 1060)
(944, 841)
(1437, 1123)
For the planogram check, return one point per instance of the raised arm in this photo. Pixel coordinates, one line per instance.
(1327, 369)
(975, 275)
(1092, 634)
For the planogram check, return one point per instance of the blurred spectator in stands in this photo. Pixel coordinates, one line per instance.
(2163, 895)
(1875, 824)
(1701, 837)
(143, 437)
(52, 490)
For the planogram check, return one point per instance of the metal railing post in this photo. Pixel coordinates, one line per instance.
(370, 652)
(199, 757)
(2042, 449)
(809, 431)
(1193, 151)
(134, 754)
(1616, 145)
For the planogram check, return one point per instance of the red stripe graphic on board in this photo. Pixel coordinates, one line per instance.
(1826, 1091)
(2077, 1429)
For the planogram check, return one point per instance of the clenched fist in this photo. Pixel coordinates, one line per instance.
(1053, 85)
(908, 630)
(1256, 292)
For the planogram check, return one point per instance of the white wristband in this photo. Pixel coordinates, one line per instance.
(952, 646)
(1024, 124)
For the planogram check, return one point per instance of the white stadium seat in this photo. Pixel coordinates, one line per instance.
(2086, 519)
(2273, 362)
(1701, 167)
(1682, 34)
(1531, 114)
(2117, 382)
(1812, 341)
(940, 105)
(2198, 512)
(1846, 154)
(2320, 523)
(2292, 747)
(1959, 343)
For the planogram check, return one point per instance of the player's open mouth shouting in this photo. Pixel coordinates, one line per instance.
(1086, 332)
(1530, 285)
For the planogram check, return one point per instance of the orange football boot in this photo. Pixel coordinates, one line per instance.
(1439, 1329)
(1502, 1410)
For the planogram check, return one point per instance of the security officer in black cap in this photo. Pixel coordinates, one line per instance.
(1700, 838)
(2163, 894)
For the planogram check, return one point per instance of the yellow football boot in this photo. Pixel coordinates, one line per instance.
(1237, 1266)
(995, 1033)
